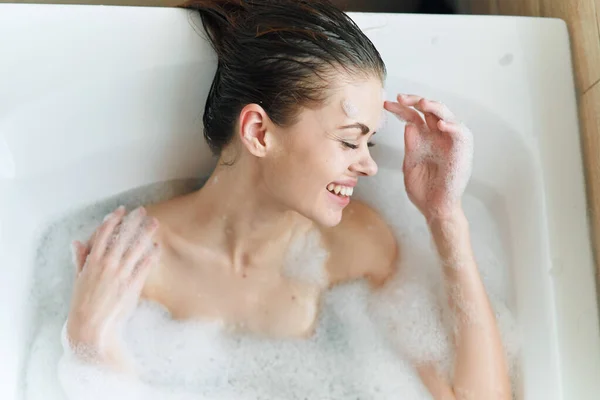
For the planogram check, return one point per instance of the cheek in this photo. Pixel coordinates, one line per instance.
(293, 172)
(328, 163)
(307, 166)
(337, 160)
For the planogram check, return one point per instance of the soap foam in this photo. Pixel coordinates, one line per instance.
(350, 108)
(307, 253)
(362, 348)
(457, 163)
(414, 304)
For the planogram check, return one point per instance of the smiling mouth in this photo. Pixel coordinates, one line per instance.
(340, 190)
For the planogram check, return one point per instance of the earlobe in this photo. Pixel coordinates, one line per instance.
(253, 129)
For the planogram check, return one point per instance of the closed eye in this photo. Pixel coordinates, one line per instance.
(350, 145)
(355, 146)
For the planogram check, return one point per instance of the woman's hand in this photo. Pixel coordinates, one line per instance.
(111, 272)
(438, 155)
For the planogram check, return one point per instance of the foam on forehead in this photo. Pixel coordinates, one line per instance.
(384, 118)
(382, 121)
(350, 108)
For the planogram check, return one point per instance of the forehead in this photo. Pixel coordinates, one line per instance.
(358, 102)
(364, 99)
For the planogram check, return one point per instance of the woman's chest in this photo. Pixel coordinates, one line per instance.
(275, 296)
(273, 306)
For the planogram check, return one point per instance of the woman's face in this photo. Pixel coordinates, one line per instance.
(315, 164)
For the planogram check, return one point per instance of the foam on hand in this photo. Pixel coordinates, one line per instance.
(452, 153)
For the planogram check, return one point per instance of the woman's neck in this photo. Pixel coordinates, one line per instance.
(235, 206)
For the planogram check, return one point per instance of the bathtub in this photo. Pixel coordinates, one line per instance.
(81, 85)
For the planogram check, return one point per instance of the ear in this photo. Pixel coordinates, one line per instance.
(254, 132)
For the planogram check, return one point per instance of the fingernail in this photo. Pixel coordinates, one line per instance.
(121, 208)
(108, 216)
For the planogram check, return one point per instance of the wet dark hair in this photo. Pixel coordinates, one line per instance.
(280, 54)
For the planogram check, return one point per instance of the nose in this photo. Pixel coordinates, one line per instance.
(365, 165)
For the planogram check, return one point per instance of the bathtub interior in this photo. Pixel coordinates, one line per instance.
(135, 97)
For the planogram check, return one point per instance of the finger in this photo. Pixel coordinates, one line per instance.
(409, 100)
(141, 247)
(436, 108)
(406, 114)
(105, 233)
(432, 121)
(411, 139)
(411, 145)
(79, 253)
(143, 268)
(451, 128)
(92, 240)
(128, 231)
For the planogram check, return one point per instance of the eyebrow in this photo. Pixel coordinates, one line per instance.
(364, 129)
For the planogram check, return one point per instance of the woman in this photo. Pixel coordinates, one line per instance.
(296, 99)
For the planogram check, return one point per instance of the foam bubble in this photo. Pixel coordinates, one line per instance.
(455, 166)
(74, 255)
(383, 121)
(305, 260)
(414, 304)
(350, 108)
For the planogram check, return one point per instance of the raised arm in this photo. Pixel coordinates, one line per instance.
(437, 167)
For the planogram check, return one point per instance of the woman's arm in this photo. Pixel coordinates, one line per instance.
(480, 366)
(437, 167)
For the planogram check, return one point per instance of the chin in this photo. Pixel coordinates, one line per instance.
(324, 218)
(322, 212)
(329, 218)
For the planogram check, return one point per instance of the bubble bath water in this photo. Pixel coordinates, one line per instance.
(361, 349)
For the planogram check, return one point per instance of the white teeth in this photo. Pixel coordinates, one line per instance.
(340, 190)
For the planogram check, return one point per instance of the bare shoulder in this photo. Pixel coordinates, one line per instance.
(361, 246)
(169, 219)
(170, 212)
